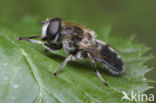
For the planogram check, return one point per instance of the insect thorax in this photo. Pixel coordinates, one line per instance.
(71, 35)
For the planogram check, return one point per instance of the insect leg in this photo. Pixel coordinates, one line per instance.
(30, 37)
(96, 71)
(54, 46)
(47, 47)
(63, 64)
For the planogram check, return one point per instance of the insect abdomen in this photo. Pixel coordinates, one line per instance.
(109, 55)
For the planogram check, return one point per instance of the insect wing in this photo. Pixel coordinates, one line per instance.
(97, 57)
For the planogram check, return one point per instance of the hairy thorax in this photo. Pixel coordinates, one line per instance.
(72, 34)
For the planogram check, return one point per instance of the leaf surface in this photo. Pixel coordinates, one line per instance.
(26, 70)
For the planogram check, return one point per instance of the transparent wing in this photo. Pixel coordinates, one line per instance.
(109, 59)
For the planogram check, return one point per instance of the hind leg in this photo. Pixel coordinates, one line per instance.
(96, 71)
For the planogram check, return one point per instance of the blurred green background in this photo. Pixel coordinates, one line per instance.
(127, 17)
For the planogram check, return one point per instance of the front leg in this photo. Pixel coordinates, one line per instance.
(48, 47)
(53, 46)
(30, 37)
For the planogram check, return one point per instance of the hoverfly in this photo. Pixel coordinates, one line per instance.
(78, 42)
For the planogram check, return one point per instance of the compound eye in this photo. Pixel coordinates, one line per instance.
(54, 27)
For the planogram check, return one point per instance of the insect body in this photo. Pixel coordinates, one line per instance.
(79, 43)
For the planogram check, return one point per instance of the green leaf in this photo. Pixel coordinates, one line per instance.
(26, 70)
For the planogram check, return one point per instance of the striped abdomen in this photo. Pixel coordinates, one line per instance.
(111, 57)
